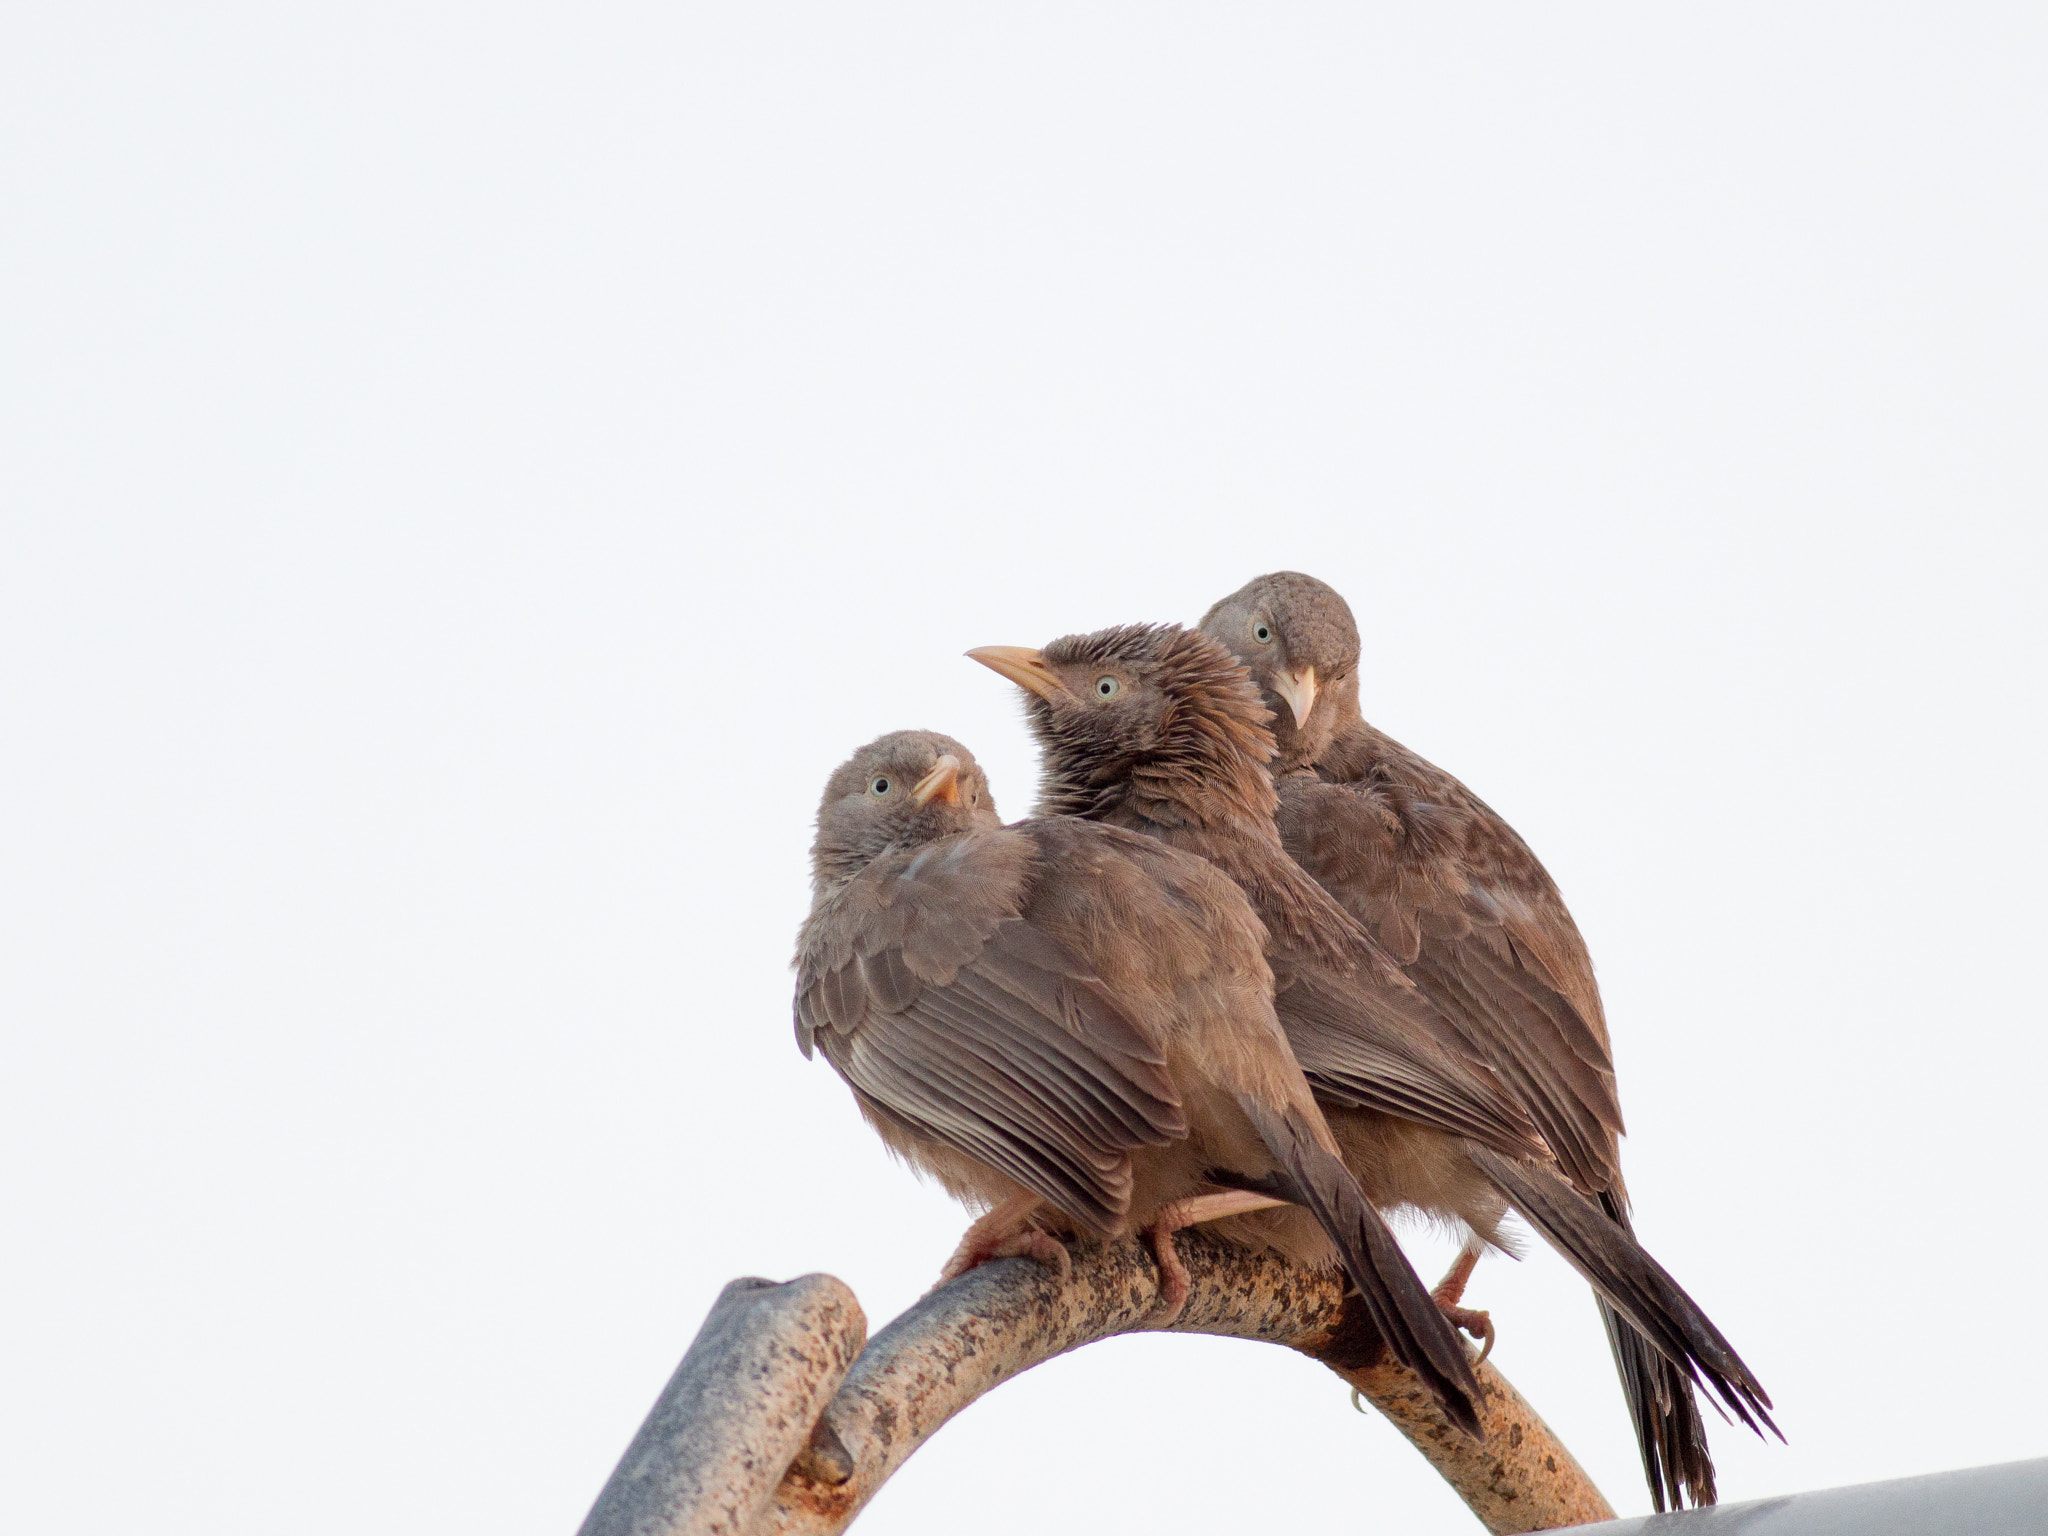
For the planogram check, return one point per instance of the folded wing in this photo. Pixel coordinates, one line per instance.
(969, 1026)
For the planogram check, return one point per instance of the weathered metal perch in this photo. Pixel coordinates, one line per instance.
(737, 1410)
(1002, 1319)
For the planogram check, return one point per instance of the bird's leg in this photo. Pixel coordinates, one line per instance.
(1007, 1232)
(1451, 1290)
(1173, 1274)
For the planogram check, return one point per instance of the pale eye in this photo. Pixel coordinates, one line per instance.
(1107, 687)
(1262, 632)
(880, 786)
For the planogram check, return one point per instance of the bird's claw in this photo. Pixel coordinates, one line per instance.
(1476, 1323)
(1027, 1244)
(1173, 1274)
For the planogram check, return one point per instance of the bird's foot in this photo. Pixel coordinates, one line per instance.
(1451, 1290)
(1173, 1274)
(1007, 1232)
(1474, 1322)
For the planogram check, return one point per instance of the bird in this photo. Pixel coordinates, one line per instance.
(1071, 1025)
(1158, 730)
(1454, 895)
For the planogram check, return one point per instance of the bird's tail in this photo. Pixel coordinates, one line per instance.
(1663, 1343)
(1396, 1300)
(1670, 1433)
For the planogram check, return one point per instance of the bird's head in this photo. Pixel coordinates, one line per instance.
(898, 791)
(1301, 643)
(1153, 709)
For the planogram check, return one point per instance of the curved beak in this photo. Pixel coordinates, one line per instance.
(942, 783)
(1022, 666)
(1299, 690)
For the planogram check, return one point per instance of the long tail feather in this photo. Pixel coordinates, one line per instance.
(1663, 1343)
(1670, 1433)
(1400, 1306)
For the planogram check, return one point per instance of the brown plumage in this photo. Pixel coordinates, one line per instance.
(1072, 1026)
(1456, 897)
(1157, 730)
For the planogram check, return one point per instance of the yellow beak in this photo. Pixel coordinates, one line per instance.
(942, 783)
(1299, 690)
(1022, 666)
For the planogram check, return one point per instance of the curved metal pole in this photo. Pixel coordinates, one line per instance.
(968, 1337)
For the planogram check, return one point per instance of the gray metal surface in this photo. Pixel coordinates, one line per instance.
(736, 1412)
(2008, 1500)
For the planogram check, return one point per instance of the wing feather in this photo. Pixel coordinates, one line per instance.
(1451, 890)
(950, 1013)
(1354, 1055)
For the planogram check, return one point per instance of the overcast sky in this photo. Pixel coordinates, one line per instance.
(467, 477)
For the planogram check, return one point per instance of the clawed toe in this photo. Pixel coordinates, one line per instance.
(1006, 1233)
(1173, 1274)
(1042, 1246)
(968, 1255)
(1478, 1324)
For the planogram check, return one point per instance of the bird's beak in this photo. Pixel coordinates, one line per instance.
(1299, 690)
(942, 783)
(1022, 666)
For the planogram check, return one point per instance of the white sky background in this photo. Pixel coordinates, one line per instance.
(468, 477)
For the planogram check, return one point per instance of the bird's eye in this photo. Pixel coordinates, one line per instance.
(1107, 687)
(880, 786)
(1262, 632)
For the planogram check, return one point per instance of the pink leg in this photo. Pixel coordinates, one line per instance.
(1451, 1290)
(1173, 1274)
(1004, 1233)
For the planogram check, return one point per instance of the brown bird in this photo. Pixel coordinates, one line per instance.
(1451, 891)
(1159, 730)
(1069, 1024)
